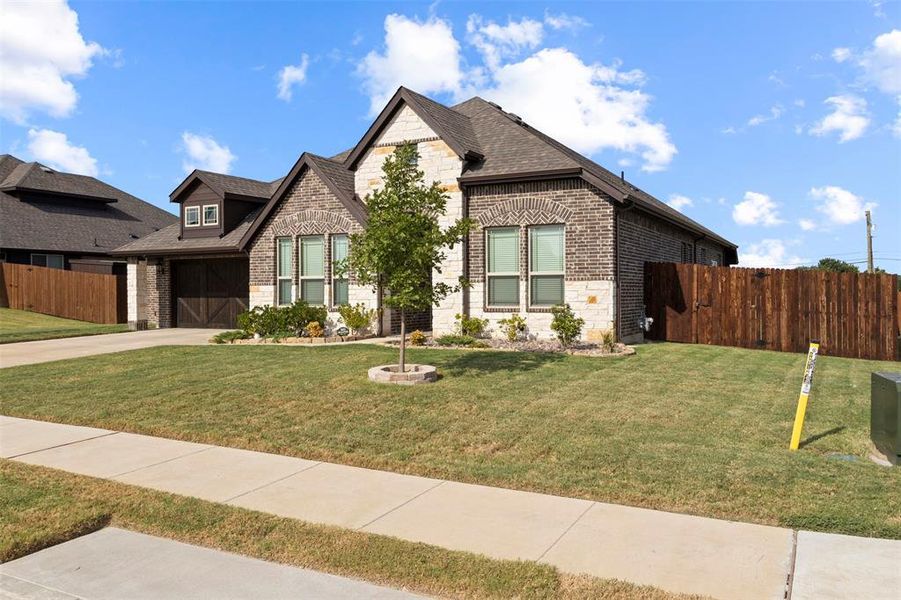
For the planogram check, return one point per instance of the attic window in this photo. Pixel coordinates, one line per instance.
(192, 216)
(211, 214)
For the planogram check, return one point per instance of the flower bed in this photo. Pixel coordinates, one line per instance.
(576, 349)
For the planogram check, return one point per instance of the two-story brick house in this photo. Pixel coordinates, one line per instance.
(552, 227)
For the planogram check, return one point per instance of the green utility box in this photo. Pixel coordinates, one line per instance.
(885, 414)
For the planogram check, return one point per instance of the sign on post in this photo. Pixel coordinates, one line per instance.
(805, 394)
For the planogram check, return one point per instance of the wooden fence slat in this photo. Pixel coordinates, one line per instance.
(853, 315)
(93, 297)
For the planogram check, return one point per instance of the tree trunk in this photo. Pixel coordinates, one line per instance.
(403, 341)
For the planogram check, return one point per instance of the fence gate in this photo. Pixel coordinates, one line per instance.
(854, 315)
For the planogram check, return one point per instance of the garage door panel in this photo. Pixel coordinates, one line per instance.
(210, 293)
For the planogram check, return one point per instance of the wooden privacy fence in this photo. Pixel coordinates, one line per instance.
(69, 294)
(851, 314)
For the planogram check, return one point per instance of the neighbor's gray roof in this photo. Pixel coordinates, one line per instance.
(78, 213)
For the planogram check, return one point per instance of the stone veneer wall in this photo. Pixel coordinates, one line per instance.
(309, 208)
(159, 292)
(439, 163)
(587, 214)
(644, 238)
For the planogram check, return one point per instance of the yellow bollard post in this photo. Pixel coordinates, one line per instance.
(805, 394)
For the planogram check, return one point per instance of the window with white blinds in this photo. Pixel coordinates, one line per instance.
(339, 284)
(546, 265)
(284, 250)
(502, 257)
(312, 267)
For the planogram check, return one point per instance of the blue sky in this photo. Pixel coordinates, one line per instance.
(775, 124)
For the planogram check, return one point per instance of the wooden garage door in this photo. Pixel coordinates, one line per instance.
(210, 293)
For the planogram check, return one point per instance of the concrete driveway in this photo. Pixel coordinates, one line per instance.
(29, 353)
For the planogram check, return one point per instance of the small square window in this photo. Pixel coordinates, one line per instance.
(192, 216)
(211, 214)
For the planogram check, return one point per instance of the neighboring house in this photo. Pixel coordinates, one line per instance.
(59, 220)
(552, 227)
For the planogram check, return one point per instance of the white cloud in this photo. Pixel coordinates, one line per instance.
(424, 56)
(205, 153)
(565, 21)
(756, 209)
(848, 117)
(800, 103)
(769, 253)
(54, 149)
(41, 48)
(678, 201)
(775, 113)
(496, 42)
(881, 63)
(807, 224)
(585, 106)
(839, 205)
(840, 55)
(290, 76)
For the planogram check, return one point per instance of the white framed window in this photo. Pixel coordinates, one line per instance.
(192, 216)
(546, 265)
(502, 266)
(54, 261)
(339, 284)
(210, 214)
(312, 269)
(284, 252)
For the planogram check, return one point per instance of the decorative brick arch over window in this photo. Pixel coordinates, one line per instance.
(311, 222)
(521, 211)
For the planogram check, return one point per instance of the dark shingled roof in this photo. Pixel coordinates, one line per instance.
(512, 146)
(342, 178)
(43, 209)
(452, 123)
(223, 184)
(165, 241)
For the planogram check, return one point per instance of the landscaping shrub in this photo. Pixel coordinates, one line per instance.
(513, 326)
(566, 325)
(452, 339)
(471, 326)
(417, 338)
(608, 340)
(315, 330)
(227, 337)
(356, 317)
(281, 321)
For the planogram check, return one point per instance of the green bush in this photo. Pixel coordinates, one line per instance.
(513, 326)
(280, 321)
(471, 326)
(455, 340)
(227, 337)
(566, 324)
(356, 317)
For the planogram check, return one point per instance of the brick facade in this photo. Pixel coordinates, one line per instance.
(643, 238)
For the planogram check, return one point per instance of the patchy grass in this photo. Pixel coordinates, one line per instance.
(693, 429)
(26, 326)
(40, 507)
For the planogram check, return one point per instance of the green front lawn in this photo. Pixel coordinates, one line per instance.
(41, 507)
(26, 326)
(693, 429)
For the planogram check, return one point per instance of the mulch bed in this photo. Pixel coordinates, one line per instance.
(577, 349)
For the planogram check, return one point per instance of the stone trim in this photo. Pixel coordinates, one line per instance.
(433, 138)
(311, 222)
(537, 211)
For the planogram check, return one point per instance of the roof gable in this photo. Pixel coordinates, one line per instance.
(335, 176)
(451, 126)
(224, 186)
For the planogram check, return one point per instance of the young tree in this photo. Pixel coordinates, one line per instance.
(402, 242)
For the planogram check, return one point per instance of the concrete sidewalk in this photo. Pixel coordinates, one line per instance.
(113, 563)
(675, 552)
(29, 353)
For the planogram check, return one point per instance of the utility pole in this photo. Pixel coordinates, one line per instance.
(869, 244)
